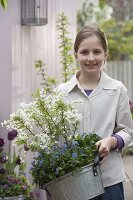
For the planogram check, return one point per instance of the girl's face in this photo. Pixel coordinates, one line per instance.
(91, 55)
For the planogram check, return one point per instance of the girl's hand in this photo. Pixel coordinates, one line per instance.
(105, 145)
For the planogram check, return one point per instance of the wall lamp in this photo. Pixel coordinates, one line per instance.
(34, 12)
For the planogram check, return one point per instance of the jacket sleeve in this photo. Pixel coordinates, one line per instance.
(124, 122)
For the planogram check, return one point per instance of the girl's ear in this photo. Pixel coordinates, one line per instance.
(75, 54)
(106, 55)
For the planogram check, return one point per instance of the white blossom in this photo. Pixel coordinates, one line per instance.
(42, 121)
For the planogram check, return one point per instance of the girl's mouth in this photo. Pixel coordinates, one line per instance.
(91, 66)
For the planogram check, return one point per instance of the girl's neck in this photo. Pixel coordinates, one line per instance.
(89, 82)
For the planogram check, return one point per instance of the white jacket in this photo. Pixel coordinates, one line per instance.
(105, 111)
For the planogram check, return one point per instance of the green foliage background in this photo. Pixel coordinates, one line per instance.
(119, 33)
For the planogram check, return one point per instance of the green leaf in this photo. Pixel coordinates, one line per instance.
(4, 3)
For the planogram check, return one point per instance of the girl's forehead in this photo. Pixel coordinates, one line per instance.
(92, 41)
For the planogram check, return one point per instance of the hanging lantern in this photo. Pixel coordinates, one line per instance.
(34, 12)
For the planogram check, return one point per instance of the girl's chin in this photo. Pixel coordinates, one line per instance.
(91, 71)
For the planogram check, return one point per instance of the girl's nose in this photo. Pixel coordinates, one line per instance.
(90, 57)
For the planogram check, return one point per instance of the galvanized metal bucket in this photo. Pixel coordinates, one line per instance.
(83, 185)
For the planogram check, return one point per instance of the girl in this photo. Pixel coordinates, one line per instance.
(104, 106)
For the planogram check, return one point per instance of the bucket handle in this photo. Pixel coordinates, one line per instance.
(97, 161)
(48, 193)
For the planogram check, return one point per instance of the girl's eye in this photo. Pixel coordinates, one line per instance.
(83, 52)
(97, 52)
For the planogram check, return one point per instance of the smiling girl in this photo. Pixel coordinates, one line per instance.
(105, 107)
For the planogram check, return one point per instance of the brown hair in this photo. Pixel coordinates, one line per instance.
(89, 31)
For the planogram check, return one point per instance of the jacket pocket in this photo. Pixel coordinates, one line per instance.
(111, 92)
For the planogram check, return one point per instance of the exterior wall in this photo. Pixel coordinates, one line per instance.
(8, 19)
(31, 43)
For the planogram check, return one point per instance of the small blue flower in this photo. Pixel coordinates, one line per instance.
(55, 148)
(74, 143)
(40, 163)
(62, 151)
(64, 146)
(39, 155)
(74, 155)
(56, 156)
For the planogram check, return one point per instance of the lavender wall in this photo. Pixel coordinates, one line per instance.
(8, 18)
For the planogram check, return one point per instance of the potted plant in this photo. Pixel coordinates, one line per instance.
(49, 126)
(13, 185)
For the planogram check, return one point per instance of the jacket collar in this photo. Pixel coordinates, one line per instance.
(105, 82)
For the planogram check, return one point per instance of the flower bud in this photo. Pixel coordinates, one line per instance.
(12, 134)
(2, 142)
(3, 159)
(19, 160)
(2, 171)
(26, 147)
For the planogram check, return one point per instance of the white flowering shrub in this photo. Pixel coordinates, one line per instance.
(41, 122)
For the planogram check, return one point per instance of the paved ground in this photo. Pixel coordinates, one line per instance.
(128, 186)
